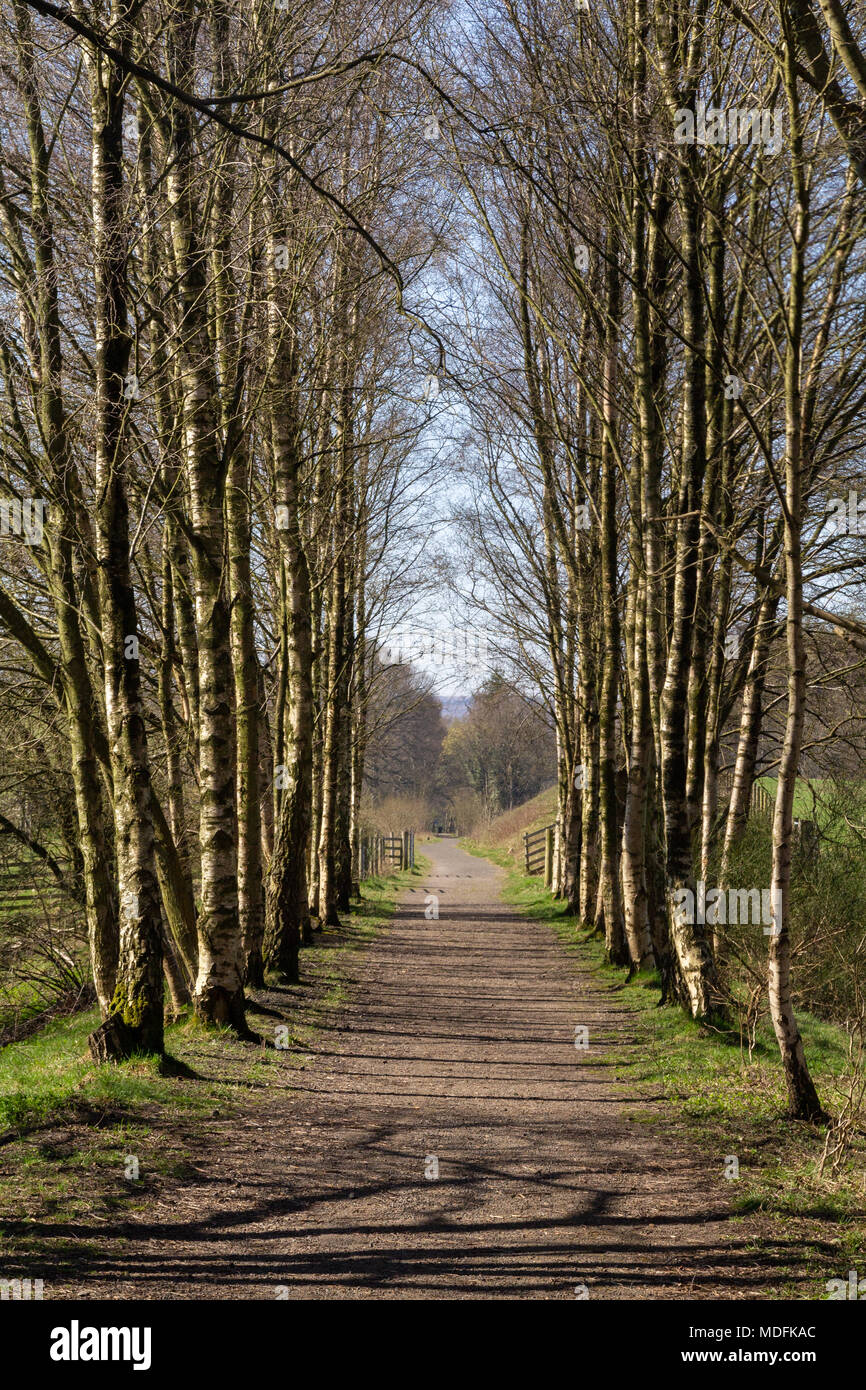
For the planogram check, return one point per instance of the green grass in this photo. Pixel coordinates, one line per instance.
(495, 853)
(43, 1075)
(820, 799)
(807, 793)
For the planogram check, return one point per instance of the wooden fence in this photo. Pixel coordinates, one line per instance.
(538, 852)
(385, 854)
(806, 832)
(538, 845)
(763, 805)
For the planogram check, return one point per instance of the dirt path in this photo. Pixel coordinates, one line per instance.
(456, 1045)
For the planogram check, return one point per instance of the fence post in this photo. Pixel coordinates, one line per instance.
(806, 832)
(526, 849)
(548, 856)
(412, 849)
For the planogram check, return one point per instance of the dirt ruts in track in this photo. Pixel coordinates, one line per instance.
(455, 1051)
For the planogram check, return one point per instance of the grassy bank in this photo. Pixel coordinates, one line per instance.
(73, 1136)
(726, 1093)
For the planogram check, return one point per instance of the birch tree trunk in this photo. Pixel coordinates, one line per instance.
(219, 995)
(135, 1018)
(695, 979)
(245, 668)
(287, 900)
(616, 950)
(803, 1098)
